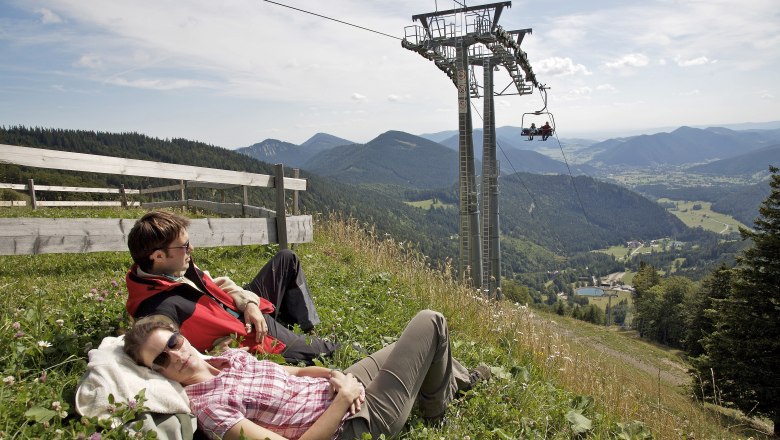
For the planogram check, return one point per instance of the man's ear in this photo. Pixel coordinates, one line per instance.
(157, 255)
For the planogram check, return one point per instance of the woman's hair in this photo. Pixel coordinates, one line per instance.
(155, 230)
(139, 333)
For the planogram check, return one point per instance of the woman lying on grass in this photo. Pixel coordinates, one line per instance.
(235, 393)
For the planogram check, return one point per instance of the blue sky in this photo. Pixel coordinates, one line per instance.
(237, 72)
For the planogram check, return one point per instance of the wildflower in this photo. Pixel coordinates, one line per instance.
(43, 376)
(16, 325)
(95, 436)
(8, 380)
(114, 283)
(93, 291)
(56, 405)
(19, 334)
(44, 344)
(63, 414)
(111, 408)
(100, 299)
(58, 432)
(60, 322)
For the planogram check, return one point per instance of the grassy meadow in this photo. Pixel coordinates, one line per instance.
(555, 378)
(430, 203)
(704, 217)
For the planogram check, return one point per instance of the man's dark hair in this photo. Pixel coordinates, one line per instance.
(139, 333)
(155, 230)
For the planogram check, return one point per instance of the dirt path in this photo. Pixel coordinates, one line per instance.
(670, 372)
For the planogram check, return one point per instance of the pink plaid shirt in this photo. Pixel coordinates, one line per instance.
(262, 392)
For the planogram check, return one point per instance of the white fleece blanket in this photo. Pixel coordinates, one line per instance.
(111, 371)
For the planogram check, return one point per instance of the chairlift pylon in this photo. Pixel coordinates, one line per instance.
(544, 131)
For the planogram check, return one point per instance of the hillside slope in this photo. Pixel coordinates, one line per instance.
(556, 221)
(682, 146)
(394, 158)
(748, 164)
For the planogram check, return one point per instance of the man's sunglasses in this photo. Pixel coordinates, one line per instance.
(175, 342)
(185, 247)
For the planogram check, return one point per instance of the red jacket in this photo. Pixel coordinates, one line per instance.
(202, 318)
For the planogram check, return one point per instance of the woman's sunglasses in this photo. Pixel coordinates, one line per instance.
(175, 342)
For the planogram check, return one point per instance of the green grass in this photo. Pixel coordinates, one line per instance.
(603, 301)
(616, 251)
(430, 203)
(553, 380)
(704, 217)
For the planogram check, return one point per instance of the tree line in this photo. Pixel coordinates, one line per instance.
(729, 323)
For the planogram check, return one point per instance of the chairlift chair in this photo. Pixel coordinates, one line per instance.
(537, 131)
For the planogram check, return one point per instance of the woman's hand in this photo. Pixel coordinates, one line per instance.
(347, 387)
(254, 318)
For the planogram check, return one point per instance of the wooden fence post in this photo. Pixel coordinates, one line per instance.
(295, 210)
(183, 195)
(123, 195)
(281, 212)
(245, 201)
(31, 188)
(295, 173)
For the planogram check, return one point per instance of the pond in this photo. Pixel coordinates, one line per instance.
(589, 291)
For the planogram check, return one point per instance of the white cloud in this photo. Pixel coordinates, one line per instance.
(629, 60)
(698, 61)
(158, 84)
(90, 61)
(578, 93)
(693, 92)
(357, 97)
(48, 17)
(606, 88)
(556, 66)
(399, 98)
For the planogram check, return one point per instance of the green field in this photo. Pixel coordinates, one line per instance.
(704, 216)
(603, 301)
(430, 203)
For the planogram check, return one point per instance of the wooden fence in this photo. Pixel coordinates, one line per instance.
(19, 236)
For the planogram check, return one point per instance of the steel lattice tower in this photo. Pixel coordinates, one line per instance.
(450, 45)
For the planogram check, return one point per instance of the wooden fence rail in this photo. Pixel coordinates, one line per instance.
(46, 235)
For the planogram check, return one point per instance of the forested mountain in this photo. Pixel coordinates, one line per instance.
(390, 215)
(579, 214)
(323, 141)
(294, 156)
(748, 164)
(682, 146)
(394, 158)
(276, 151)
(545, 219)
(514, 160)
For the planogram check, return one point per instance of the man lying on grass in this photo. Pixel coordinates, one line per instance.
(165, 283)
(234, 393)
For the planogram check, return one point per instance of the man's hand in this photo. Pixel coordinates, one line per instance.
(254, 319)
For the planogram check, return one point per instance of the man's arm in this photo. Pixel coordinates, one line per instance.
(248, 303)
(241, 297)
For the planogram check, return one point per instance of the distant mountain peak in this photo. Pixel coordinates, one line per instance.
(325, 138)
